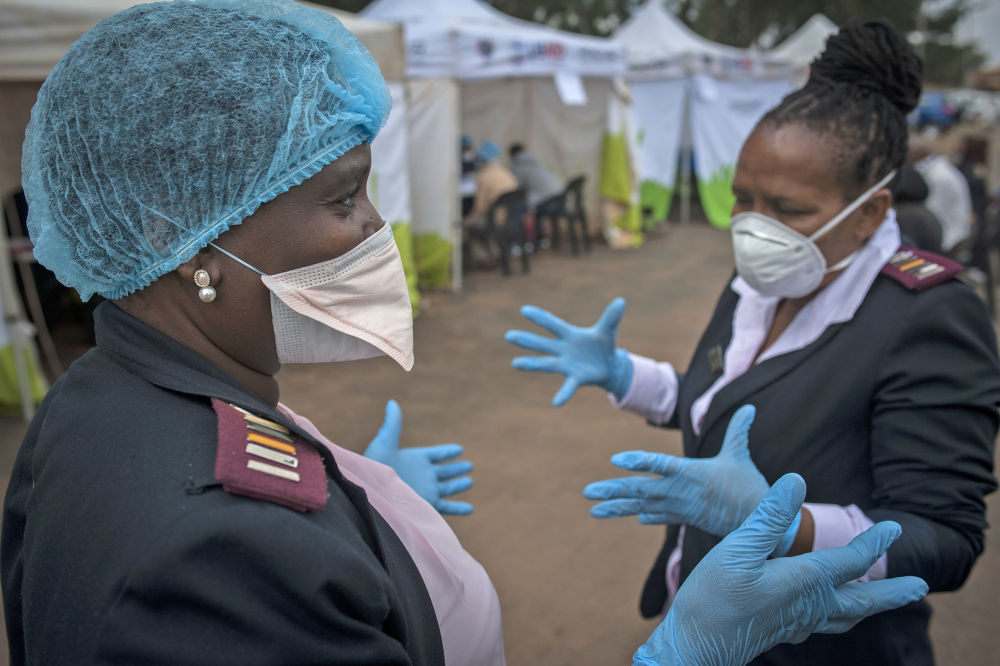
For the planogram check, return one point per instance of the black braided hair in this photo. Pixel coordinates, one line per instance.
(858, 94)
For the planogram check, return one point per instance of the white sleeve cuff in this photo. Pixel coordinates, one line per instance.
(835, 526)
(653, 391)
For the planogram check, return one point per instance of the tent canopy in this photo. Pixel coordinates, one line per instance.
(803, 45)
(658, 44)
(469, 39)
(34, 34)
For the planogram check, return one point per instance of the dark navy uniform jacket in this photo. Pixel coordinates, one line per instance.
(894, 411)
(119, 545)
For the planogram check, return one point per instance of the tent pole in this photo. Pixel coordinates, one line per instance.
(687, 148)
(14, 322)
(456, 257)
(686, 184)
(31, 294)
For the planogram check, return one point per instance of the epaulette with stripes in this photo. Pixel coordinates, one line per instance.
(918, 270)
(262, 459)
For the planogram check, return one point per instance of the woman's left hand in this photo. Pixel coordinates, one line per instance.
(420, 467)
(737, 603)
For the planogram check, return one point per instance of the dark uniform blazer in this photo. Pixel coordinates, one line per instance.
(894, 411)
(121, 547)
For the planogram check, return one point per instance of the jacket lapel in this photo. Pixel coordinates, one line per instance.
(740, 390)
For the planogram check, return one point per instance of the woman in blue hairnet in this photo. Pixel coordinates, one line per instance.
(203, 166)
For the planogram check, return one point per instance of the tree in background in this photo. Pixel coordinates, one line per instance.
(346, 5)
(930, 23)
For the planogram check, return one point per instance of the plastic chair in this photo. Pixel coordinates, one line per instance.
(572, 210)
(510, 235)
(507, 233)
(550, 211)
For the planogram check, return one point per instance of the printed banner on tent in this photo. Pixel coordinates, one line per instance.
(496, 51)
(20, 376)
(658, 109)
(619, 186)
(723, 113)
(389, 184)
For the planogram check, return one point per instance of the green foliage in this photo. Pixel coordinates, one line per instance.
(346, 5)
(590, 17)
(951, 65)
(767, 23)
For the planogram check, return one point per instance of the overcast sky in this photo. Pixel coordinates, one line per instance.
(983, 27)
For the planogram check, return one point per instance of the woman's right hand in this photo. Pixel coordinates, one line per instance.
(713, 494)
(583, 355)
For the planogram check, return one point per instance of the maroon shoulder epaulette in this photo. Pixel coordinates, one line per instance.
(262, 459)
(918, 269)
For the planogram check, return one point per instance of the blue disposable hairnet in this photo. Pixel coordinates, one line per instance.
(170, 122)
(465, 141)
(488, 151)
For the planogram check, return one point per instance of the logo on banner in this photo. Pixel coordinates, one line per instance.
(485, 47)
(525, 51)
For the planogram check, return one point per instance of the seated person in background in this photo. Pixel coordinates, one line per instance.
(971, 163)
(467, 182)
(492, 180)
(917, 224)
(948, 197)
(468, 154)
(542, 185)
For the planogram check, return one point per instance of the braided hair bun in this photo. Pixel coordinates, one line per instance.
(857, 96)
(872, 57)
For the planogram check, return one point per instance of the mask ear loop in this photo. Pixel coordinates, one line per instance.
(237, 259)
(853, 206)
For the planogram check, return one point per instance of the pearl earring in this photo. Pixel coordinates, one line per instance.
(206, 292)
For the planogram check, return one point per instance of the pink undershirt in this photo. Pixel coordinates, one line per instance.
(653, 391)
(465, 601)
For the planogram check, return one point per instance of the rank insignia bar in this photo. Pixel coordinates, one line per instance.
(263, 459)
(918, 270)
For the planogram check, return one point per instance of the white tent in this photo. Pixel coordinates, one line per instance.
(469, 39)
(34, 35)
(803, 45)
(508, 80)
(659, 45)
(689, 93)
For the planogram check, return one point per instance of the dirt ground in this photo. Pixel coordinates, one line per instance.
(568, 584)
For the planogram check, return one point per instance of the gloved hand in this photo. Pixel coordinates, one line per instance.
(583, 355)
(418, 466)
(737, 603)
(713, 494)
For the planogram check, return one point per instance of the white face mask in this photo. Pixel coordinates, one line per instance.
(779, 261)
(352, 307)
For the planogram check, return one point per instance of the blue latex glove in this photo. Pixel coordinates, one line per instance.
(418, 466)
(583, 355)
(713, 494)
(737, 603)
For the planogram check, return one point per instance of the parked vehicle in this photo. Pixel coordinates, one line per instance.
(935, 110)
